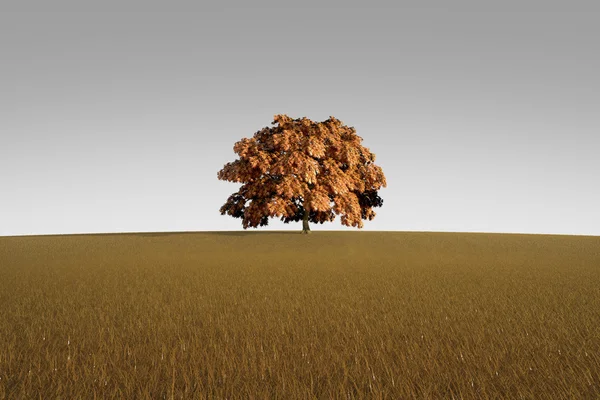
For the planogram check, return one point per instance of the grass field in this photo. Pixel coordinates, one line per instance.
(280, 315)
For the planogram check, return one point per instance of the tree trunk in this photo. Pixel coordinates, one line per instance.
(305, 227)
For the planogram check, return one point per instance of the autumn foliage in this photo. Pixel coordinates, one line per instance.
(302, 170)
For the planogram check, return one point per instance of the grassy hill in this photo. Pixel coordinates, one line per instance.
(264, 314)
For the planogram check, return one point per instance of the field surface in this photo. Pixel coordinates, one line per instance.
(280, 315)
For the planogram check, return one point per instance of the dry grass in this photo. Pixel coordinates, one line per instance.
(282, 315)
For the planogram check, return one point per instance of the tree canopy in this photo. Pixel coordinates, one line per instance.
(303, 170)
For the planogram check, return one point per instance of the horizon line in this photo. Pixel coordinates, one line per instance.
(248, 231)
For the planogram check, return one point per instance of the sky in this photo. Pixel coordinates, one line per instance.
(116, 117)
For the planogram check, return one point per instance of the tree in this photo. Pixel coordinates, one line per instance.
(302, 170)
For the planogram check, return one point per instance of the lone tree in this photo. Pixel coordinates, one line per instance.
(298, 169)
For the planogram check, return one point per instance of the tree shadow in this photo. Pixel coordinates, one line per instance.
(155, 234)
(250, 233)
(158, 234)
(218, 233)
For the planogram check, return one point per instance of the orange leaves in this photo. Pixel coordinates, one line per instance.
(282, 119)
(319, 201)
(304, 161)
(230, 172)
(241, 147)
(254, 162)
(351, 210)
(275, 207)
(261, 162)
(374, 177)
(315, 147)
(283, 141)
(288, 187)
(370, 214)
(255, 214)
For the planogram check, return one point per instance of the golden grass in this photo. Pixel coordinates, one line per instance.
(281, 315)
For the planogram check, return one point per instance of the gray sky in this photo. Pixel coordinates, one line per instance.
(117, 117)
